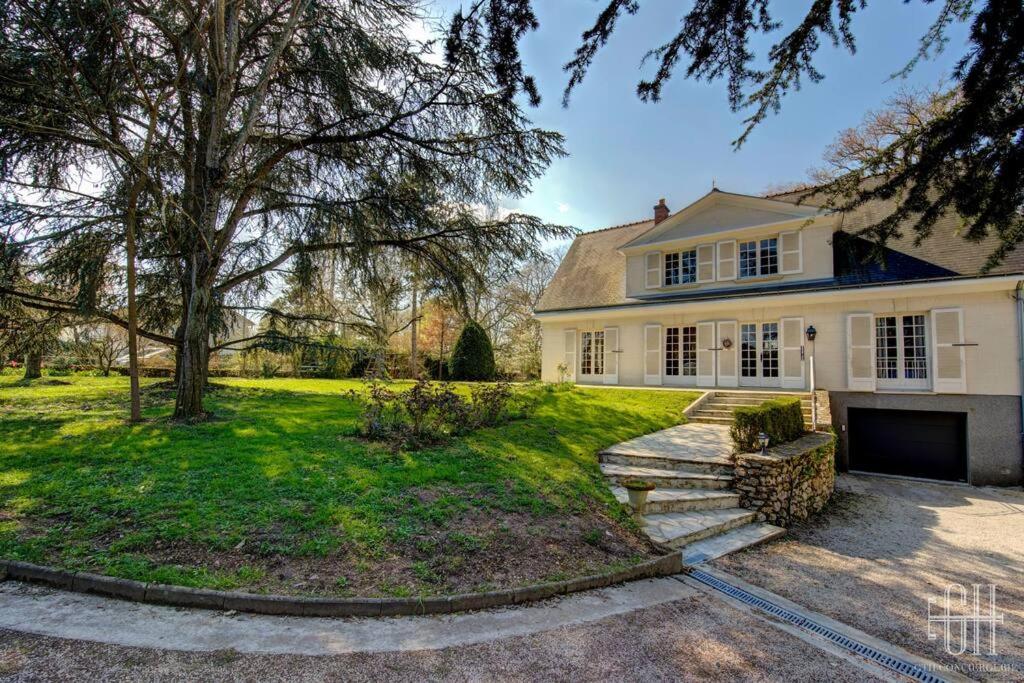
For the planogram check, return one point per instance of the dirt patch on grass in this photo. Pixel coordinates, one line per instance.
(474, 551)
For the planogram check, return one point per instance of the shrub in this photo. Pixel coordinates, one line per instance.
(473, 357)
(430, 413)
(781, 419)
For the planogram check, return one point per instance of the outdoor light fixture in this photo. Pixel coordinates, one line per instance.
(811, 333)
(762, 439)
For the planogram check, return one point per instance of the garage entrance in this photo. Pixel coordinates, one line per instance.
(911, 443)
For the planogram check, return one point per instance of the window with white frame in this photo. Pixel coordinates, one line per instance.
(759, 257)
(592, 353)
(681, 351)
(901, 351)
(672, 351)
(681, 267)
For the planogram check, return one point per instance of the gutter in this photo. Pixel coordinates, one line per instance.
(1017, 295)
(833, 290)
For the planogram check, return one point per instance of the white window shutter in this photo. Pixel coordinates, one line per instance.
(791, 352)
(791, 258)
(706, 263)
(570, 354)
(860, 352)
(653, 264)
(706, 354)
(611, 355)
(728, 372)
(652, 354)
(727, 260)
(950, 370)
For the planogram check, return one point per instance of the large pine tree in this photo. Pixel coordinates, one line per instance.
(238, 137)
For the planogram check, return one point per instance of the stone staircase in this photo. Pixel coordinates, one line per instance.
(693, 507)
(718, 407)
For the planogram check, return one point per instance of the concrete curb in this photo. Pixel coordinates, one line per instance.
(181, 596)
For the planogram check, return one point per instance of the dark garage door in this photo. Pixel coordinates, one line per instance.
(911, 443)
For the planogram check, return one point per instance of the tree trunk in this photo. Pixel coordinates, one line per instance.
(414, 369)
(195, 352)
(33, 365)
(133, 340)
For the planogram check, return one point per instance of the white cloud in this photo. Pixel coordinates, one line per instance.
(563, 207)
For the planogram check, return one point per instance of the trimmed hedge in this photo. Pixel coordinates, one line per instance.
(473, 357)
(781, 419)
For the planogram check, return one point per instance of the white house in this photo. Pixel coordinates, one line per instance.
(920, 354)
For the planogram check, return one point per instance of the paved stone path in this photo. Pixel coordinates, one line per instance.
(705, 442)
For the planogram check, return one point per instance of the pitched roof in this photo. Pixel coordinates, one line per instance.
(593, 272)
(944, 247)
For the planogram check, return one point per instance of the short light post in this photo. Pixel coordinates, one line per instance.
(762, 439)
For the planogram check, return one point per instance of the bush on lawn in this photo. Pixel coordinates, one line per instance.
(430, 413)
(473, 357)
(781, 419)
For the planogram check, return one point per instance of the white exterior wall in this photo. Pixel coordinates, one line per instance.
(989, 320)
(816, 247)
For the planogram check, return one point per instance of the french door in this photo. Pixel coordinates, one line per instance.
(759, 355)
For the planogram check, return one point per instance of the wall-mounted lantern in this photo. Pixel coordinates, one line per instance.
(762, 439)
(811, 333)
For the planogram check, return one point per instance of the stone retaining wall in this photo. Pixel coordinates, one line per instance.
(791, 482)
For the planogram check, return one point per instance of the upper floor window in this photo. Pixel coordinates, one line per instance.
(759, 257)
(681, 267)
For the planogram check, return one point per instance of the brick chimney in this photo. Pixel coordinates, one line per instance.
(660, 211)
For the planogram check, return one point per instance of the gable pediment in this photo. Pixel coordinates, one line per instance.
(721, 212)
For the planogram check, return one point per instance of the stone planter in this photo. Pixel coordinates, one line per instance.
(637, 500)
(637, 491)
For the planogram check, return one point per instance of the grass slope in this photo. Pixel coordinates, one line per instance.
(278, 493)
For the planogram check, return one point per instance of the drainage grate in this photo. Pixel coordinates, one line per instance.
(896, 664)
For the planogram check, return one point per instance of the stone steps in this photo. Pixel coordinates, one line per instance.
(710, 420)
(677, 529)
(662, 478)
(729, 542)
(682, 500)
(681, 463)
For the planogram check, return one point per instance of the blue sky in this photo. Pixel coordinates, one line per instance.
(624, 154)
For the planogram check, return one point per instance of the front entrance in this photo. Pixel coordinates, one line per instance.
(759, 355)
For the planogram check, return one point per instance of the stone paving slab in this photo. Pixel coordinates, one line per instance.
(691, 441)
(676, 527)
(729, 542)
(660, 495)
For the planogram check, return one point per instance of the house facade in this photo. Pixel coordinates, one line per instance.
(915, 355)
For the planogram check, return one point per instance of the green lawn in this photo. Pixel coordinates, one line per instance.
(277, 492)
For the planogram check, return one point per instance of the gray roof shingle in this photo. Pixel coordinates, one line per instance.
(592, 274)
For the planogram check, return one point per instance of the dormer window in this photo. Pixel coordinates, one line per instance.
(759, 258)
(680, 267)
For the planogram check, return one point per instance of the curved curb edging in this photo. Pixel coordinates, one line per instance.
(180, 596)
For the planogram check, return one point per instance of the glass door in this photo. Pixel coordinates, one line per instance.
(759, 355)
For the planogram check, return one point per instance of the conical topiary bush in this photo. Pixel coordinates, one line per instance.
(473, 357)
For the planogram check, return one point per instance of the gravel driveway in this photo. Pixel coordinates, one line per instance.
(884, 546)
